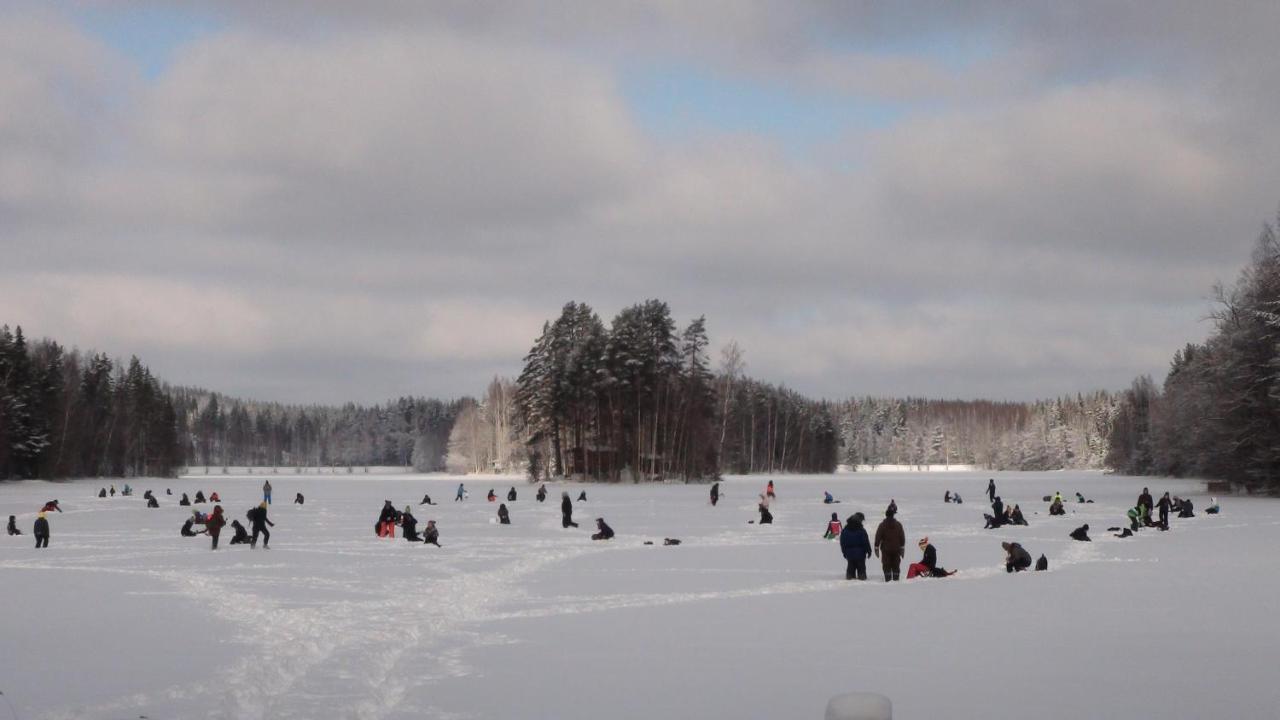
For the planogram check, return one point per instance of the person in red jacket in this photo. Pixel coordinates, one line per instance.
(833, 528)
(214, 525)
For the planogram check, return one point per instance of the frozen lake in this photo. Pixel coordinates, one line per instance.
(121, 617)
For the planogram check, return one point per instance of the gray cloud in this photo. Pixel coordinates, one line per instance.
(391, 201)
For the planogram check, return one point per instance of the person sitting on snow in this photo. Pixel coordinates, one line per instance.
(1016, 517)
(946, 498)
(504, 518)
(127, 490)
(1016, 557)
(426, 500)
(492, 495)
(152, 502)
(102, 493)
(213, 498)
(928, 565)
(603, 531)
(199, 497)
(511, 495)
(187, 526)
(955, 498)
(582, 496)
(542, 493)
(185, 501)
(827, 499)
(833, 528)
(766, 517)
(13, 526)
(431, 535)
(1081, 533)
(1186, 511)
(1214, 508)
(298, 499)
(1055, 507)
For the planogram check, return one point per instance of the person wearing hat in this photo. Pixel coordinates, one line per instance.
(856, 547)
(1081, 533)
(258, 517)
(213, 526)
(410, 525)
(431, 536)
(833, 528)
(891, 544)
(41, 531)
(928, 565)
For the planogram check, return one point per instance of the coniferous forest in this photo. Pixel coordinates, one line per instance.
(640, 398)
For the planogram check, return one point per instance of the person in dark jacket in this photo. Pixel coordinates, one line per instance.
(766, 517)
(185, 501)
(582, 496)
(1081, 533)
(102, 493)
(388, 518)
(715, 493)
(856, 547)
(893, 506)
(929, 561)
(13, 526)
(426, 500)
(213, 526)
(1164, 504)
(492, 496)
(1186, 511)
(947, 497)
(991, 491)
(1144, 499)
(462, 493)
(298, 499)
(997, 509)
(113, 491)
(199, 497)
(1016, 517)
(504, 518)
(241, 537)
(890, 544)
(603, 531)
(41, 531)
(188, 527)
(1016, 557)
(410, 525)
(258, 522)
(542, 493)
(431, 535)
(511, 495)
(566, 511)
(152, 502)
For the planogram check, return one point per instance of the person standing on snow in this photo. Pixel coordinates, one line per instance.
(1164, 504)
(266, 492)
(603, 531)
(542, 493)
(715, 493)
(891, 543)
(566, 511)
(766, 517)
(856, 547)
(214, 525)
(462, 492)
(41, 531)
(991, 490)
(259, 522)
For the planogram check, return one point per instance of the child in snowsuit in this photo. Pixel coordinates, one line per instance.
(431, 536)
(102, 493)
(833, 528)
(41, 531)
(603, 531)
(928, 565)
(566, 512)
(856, 548)
(891, 543)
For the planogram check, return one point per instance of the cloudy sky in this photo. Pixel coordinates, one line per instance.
(327, 201)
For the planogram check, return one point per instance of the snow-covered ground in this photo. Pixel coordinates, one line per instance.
(122, 618)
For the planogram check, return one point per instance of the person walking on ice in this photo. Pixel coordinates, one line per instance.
(856, 547)
(715, 493)
(258, 523)
(213, 526)
(891, 544)
(991, 490)
(462, 493)
(266, 492)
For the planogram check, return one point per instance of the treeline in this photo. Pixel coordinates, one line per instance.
(1218, 412)
(1063, 433)
(220, 431)
(63, 414)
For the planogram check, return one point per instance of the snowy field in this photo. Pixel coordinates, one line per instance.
(122, 618)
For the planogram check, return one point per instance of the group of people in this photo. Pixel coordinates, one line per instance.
(1002, 515)
(890, 545)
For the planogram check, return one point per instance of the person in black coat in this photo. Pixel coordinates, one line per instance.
(1144, 499)
(766, 517)
(542, 493)
(1164, 505)
(185, 501)
(410, 525)
(241, 536)
(930, 560)
(1016, 558)
(388, 518)
(298, 499)
(997, 509)
(199, 497)
(511, 495)
(991, 491)
(431, 535)
(1081, 533)
(1016, 517)
(566, 512)
(856, 547)
(603, 531)
(13, 526)
(41, 531)
(715, 494)
(504, 517)
(102, 493)
(188, 527)
(258, 522)
(1187, 509)
(582, 496)
(426, 500)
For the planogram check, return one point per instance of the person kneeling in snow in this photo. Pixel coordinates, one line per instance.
(187, 526)
(1081, 533)
(928, 565)
(1016, 557)
(504, 518)
(410, 525)
(833, 528)
(827, 499)
(13, 525)
(603, 531)
(241, 536)
(766, 517)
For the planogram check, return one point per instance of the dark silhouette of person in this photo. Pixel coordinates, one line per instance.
(566, 512)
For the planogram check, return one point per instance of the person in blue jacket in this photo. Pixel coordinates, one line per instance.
(856, 547)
